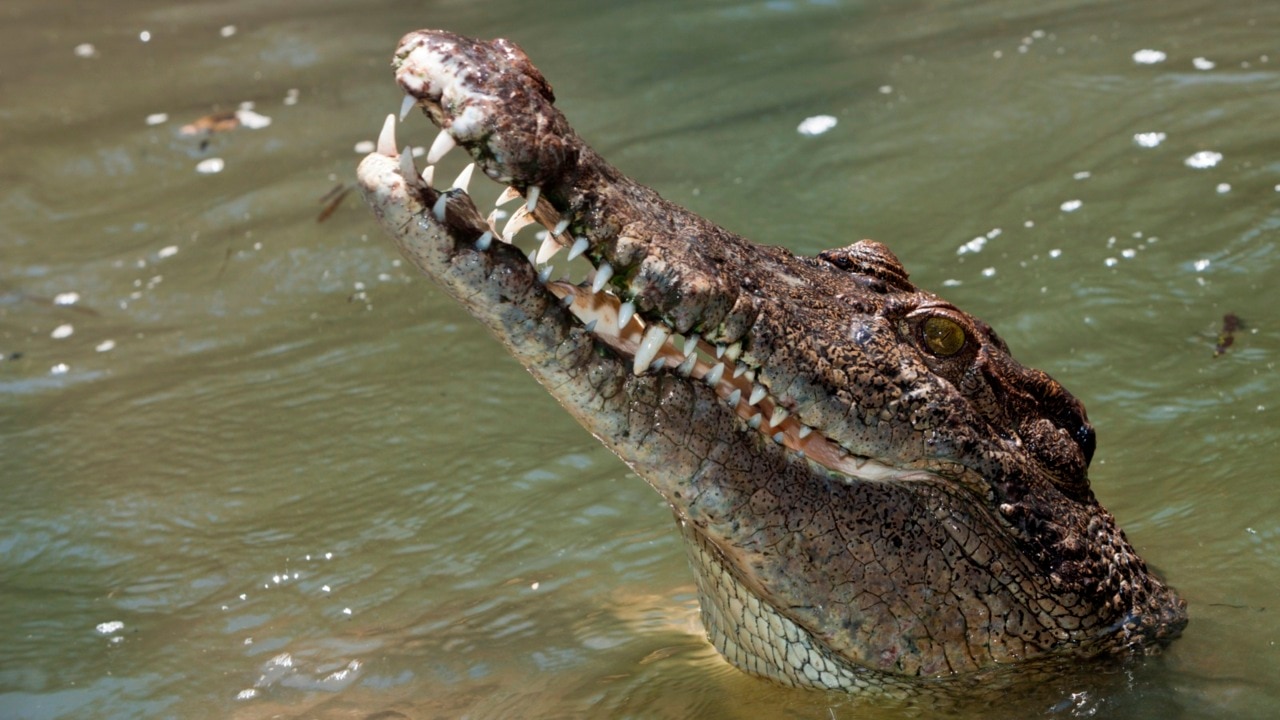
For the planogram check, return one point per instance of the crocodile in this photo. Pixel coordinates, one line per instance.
(874, 495)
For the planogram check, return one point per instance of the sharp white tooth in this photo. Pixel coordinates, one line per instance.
(733, 351)
(531, 197)
(804, 431)
(779, 414)
(754, 422)
(567, 300)
(482, 242)
(714, 374)
(777, 437)
(544, 274)
(603, 273)
(579, 247)
(735, 397)
(686, 367)
(387, 138)
(464, 177)
(548, 250)
(719, 350)
(690, 345)
(407, 170)
(439, 208)
(561, 227)
(757, 394)
(429, 176)
(658, 364)
(738, 370)
(649, 347)
(519, 220)
(591, 326)
(406, 105)
(493, 222)
(440, 147)
(625, 311)
(507, 196)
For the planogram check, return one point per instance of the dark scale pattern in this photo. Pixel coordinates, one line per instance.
(971, 552)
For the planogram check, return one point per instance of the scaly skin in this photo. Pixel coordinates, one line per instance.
(875, 495)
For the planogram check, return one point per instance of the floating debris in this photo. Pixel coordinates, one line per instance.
(209, 166)
(1203, 159)
(816, 125)
(1149, 57)
(1148, 139)
(332, 199)
(212, 123)
(1203, 63)
(1071, 205)
(86, 50)
(1230, 324)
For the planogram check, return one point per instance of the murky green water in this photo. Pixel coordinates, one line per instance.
(304, 484)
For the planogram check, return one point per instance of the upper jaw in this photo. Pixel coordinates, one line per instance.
(700, 300)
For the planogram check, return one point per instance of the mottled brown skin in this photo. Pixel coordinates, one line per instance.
(981, 552)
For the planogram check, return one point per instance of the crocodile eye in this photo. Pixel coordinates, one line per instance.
(943, 336)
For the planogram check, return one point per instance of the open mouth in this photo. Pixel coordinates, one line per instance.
(534, 237)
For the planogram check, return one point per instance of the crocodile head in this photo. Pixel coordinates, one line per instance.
(873, 492)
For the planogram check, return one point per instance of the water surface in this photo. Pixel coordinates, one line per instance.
(253, 466)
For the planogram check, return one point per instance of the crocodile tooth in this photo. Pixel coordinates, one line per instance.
(531, 197)
(561, 227)
(406, 105)
(757, 394)
(568, 299)
(387, 138)
(779, 414)
(591, 326)
(507, 196)
(804, 432)
(579, 246)
(778, 436)
(482, 242)
(719, 350)
(545, 274)
(493, 222)
(690, 346)
(625, 311)
(649, 347)
(520, 219)
(548, 250)
(738, 370)
(603, 274)
(754, 422)
(658, 364)
(735, 397)
(714, 374)
(429, 176)
(733, 351)
(464, 178)
(686, 367)
(407, 170)
(439, 208)
(440, 147)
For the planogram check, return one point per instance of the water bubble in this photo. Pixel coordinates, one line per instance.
(1071, 205)
(1203, 63)
(210, 166)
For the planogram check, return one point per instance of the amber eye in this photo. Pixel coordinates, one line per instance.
(944, 336)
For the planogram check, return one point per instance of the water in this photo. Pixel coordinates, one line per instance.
(307, 485)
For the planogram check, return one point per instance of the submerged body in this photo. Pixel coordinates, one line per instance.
(874, 494)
